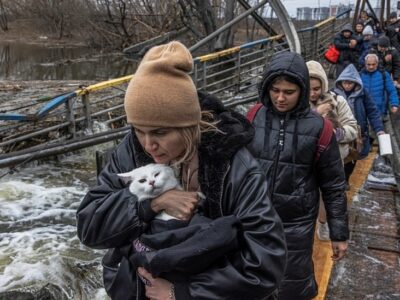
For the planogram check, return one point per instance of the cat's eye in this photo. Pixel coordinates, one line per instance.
(155, 175)
(142, 180)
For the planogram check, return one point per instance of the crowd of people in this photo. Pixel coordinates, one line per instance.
(367, 78)
(270, 181)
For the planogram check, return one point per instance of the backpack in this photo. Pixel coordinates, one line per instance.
(332, 54)
(355, 147)
(323, 140)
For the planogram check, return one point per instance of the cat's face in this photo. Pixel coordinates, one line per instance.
(150, 181)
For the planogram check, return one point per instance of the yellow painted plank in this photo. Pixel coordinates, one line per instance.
(218, 54)
(103, 85)
(322, 249)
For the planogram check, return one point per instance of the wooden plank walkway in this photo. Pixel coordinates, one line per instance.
(323, 263)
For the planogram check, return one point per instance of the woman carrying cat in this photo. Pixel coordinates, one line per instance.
(194, 133)
(335, 108)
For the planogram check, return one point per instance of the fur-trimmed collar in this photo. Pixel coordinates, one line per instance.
(215, 151)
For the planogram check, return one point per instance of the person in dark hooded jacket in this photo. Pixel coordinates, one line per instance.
(205, 143)
(285, 144)
(349, 49)
(350, 86)
(392, 30)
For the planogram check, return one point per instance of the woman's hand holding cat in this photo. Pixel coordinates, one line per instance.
(158, 289)
(179, 204)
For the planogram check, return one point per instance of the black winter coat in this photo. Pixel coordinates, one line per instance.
(347, 55)
(285, 144)
(234, 185)
(393, 65)
(393, 34)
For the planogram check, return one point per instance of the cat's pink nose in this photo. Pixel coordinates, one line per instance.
(151, 182)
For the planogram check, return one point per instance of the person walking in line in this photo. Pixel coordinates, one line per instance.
(392, 30)
(358, 30)
(389, 58)
(346, 43)
(367, 44)
(350, 86)
(286, 140)
(379, 85)
(369, 20)
(205, 143)
(335, 108)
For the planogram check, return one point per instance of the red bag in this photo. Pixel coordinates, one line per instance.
(332, 54)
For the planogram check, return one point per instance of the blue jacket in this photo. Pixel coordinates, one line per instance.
(379, 89)
(363, 107)
(364, 50)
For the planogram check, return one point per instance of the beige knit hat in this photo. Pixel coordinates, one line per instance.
(161, 93)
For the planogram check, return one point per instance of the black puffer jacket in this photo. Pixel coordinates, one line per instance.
(393, 34)
(285, 144)
(347, 54)
(233, 183)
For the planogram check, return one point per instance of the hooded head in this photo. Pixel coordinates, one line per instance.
(316, 71)
(347, 27)
(161, 93)
(383, 42)
(350, 73)
(368, 30)
(288, 64)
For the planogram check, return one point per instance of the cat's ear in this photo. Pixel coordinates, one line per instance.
(126, 177)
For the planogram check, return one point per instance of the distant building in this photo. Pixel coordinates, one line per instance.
(336, 9)
(321, 13)
(304, 13)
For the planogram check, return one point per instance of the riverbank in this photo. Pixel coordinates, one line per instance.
(28, 32)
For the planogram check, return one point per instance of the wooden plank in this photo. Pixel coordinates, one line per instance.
(322, 249)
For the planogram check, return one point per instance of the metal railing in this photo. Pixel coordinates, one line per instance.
(315, 39)
(65, 123)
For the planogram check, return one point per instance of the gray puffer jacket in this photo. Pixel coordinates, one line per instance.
(285, 145)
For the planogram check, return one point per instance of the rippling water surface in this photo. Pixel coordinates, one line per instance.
(38, 242)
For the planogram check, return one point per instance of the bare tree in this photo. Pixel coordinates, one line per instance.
(225, 39)
(3, 17)
(122, 22)
(201, 17)
(119, 23)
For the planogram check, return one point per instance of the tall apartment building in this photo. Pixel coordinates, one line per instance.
(321, 13)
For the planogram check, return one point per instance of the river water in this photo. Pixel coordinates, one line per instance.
(20, 61)
(40, 254)
(38, 241)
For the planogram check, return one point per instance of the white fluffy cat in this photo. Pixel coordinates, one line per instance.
(150, 181)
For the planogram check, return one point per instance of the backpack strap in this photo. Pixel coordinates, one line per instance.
(324, 138)
(251, 114)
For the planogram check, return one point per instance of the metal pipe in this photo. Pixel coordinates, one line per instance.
(55, 127)
(288, 27)
(258, 18)
(226, 26)
(14, 160)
